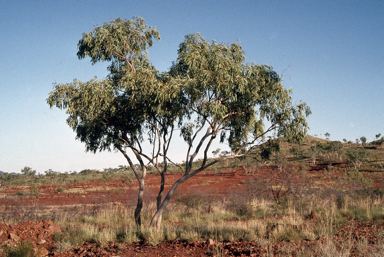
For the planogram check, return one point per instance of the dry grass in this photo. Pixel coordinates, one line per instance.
(221, 223)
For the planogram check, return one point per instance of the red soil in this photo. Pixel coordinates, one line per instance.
(221, 184)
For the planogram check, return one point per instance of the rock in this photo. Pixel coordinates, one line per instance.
(8, 243)
(210, 242)
(14, 237)
(312, 216)
(40, 241)
(42, 251)
(54, 229)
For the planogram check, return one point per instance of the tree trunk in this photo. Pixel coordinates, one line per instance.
(159, 197)
(139, 203)
(156, 220)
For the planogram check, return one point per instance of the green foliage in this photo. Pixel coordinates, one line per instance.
(267, 149)
(216, 152)
(73, 237)
(363, 140)
(340, 201)
(357, 176)
(295, 151)
(314, 152)
(225, 91)
(329, 152)
(27, 171)
(357, 157)
(59, 190)
(34, 189)
(24, 249)
(113, 111)
(378, 141)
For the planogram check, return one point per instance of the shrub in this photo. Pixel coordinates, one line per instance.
(24, 249)
(357, 157)
(59, 190)
(34, 189)
(63, 247)
(190, 201)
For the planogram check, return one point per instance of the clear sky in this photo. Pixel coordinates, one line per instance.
(331, 52)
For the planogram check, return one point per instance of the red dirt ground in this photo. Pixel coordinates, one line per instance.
(213, 184)
(221, 184)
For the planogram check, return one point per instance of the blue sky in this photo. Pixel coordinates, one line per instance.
(332, 53)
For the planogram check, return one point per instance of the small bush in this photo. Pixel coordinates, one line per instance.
(73, 237)
(369, 192)
(24, 249)
(63, 247)
(190, 201)
(59, 190)
(340, 201)
(34, 189)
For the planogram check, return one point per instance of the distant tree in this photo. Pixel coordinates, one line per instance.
(216, 152)
(357, 157)
(363, 141)
(327, 135)
(280, 161)
(379, 141)
(357, 141)
(344, 140)
(51, 175)
(313, 153)
(29, 173)
(331, 151)
(295, 151)
(225, 153)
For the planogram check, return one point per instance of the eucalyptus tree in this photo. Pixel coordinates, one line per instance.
(209, 93)
(229, 101)
(134, 101)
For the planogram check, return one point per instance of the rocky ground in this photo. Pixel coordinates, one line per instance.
(40, 235)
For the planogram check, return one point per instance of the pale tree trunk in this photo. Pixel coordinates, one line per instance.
(159, 197)
(140, 179)
(162, 174)
(140, 197)
(156, 220)
(139, 206)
